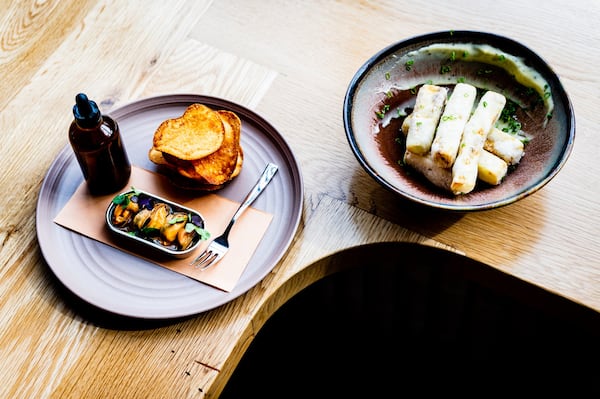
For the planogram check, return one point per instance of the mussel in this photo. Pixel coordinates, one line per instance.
(185, 238)
(123, 213)
(141, 218)
(174, 223)
(158, 217)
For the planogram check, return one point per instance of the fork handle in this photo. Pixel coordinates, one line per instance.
(258, 188)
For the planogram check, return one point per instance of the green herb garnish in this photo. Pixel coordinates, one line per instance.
(204, 234)
(178, 219)
(384, 109)
(125, 198)
(150, 231)
(509, 117)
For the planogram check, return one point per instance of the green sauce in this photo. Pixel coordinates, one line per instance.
(487, 54)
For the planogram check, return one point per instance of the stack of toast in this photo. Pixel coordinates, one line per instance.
(201, 149)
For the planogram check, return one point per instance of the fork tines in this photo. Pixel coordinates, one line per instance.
(205, 259)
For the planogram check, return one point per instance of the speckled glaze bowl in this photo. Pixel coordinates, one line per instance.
(374, 139)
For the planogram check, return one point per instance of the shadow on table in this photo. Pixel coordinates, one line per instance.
(103, 318)
(421, 321)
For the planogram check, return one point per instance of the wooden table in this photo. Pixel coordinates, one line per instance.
(290, 62)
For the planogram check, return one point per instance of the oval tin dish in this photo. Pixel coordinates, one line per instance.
(146, 221)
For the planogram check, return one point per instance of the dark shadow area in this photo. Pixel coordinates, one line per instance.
(103, 318)
(423, 322)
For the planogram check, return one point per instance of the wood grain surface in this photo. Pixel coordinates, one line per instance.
(291, 62)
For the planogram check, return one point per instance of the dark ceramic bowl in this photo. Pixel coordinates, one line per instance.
(383, 90)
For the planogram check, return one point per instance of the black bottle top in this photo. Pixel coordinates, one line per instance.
(96, 141)
(86, 112)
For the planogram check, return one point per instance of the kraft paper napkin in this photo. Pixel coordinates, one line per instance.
(216, 210)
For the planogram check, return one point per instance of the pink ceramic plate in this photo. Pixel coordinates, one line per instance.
(124, 284)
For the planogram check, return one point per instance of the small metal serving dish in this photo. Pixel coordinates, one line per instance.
(147, 221)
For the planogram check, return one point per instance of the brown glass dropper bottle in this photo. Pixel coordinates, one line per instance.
(98, 147)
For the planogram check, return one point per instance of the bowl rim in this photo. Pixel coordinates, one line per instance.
(498, 41)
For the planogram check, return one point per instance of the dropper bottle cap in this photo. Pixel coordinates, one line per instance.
(86, 112)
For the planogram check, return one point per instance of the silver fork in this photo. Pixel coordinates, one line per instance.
(220, 245)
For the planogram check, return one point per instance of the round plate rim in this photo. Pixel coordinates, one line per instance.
(66, 159)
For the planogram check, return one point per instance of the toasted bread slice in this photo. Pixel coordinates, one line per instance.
(157, 157)
(190, 184)
(239, 163)
(217, 168)
(195, 134)
(208, 173)
(200, 184)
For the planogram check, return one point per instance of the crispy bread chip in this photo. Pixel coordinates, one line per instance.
(197, 133)
(201, 184)
(217, 168)
(210, 172)
(157, 157)
(239, 163)
(191, 184)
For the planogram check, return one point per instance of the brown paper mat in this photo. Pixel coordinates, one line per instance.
(84, 214)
